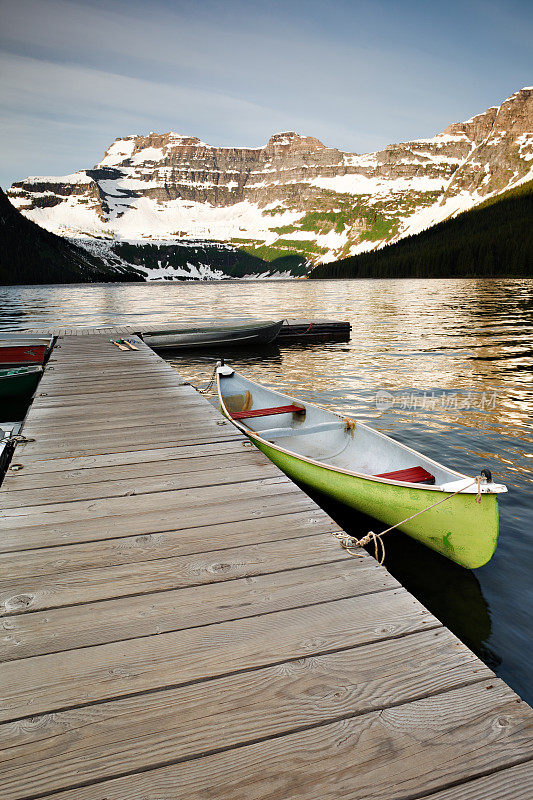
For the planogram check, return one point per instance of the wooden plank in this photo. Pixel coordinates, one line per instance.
(161, 381)
(33, 469)
(81, 357)
(62, 370)
(44, 683)
(122, 404)
(115, 506)
(73, 441)
(127, 415)
(400, 752)
(58, 370)
(171, 511)
(46, 417)
(60, 376)
(139, 438)
(130, 549)
(515, 783)
(68, 628)
(192, 460)
(64, 749)
(195, 418)
(82, 353)
(69, 349)
(170, 480)
(74, 402)
(78, 401)
(157, 378)
(96, 347)
(194, 421)
(191, 415)
(89, 585)
(131, 445)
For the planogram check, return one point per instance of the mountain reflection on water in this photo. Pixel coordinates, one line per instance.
(453, 364)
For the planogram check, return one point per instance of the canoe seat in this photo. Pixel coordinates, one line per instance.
(267, 412)
(410, 475)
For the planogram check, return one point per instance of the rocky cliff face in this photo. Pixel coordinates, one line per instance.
(295, 195)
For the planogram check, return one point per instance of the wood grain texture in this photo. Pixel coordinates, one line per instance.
(47, 403)
(143, 437)
(391, 754)
(165, 479)
(37, 472)
(173, 460)
(515, 783)
(50, 752)
(23, 564)
(61, 372)
(113, 415)
(44, 683)
(89, 585)
(113, 506)
(65, 389)
(68, 628)
(194, 419)
(147, 514)
(165, 439)
(116, 385)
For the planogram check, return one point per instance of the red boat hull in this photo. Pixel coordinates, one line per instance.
(20, 354)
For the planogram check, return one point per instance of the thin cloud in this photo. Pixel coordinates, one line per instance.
(354, 73)
(73, 98)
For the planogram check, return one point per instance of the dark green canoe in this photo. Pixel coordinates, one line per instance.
(229, 334)
(19, 381)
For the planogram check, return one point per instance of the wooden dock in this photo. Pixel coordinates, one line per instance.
(178, 623)
(293, 330)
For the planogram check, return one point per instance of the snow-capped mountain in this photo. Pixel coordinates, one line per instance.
(293, 197)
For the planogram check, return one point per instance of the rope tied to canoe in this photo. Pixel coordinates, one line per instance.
(350, 542)
(210, 385)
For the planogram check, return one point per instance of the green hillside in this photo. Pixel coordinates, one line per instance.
(495, 239)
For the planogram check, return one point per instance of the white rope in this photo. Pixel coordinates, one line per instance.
(349, 542)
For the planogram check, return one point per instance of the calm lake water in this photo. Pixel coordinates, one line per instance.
(455, 359)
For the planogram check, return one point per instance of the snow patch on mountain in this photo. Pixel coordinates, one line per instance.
(360, 184)
(80, 178)
(193, 272)
(525, 146)
(438, 212)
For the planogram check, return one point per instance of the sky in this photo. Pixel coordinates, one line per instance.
(357, 74)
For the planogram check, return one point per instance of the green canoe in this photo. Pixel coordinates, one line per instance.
(19, 381)
(367, 470)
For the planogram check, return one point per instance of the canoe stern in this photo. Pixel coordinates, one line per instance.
(461, 529)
